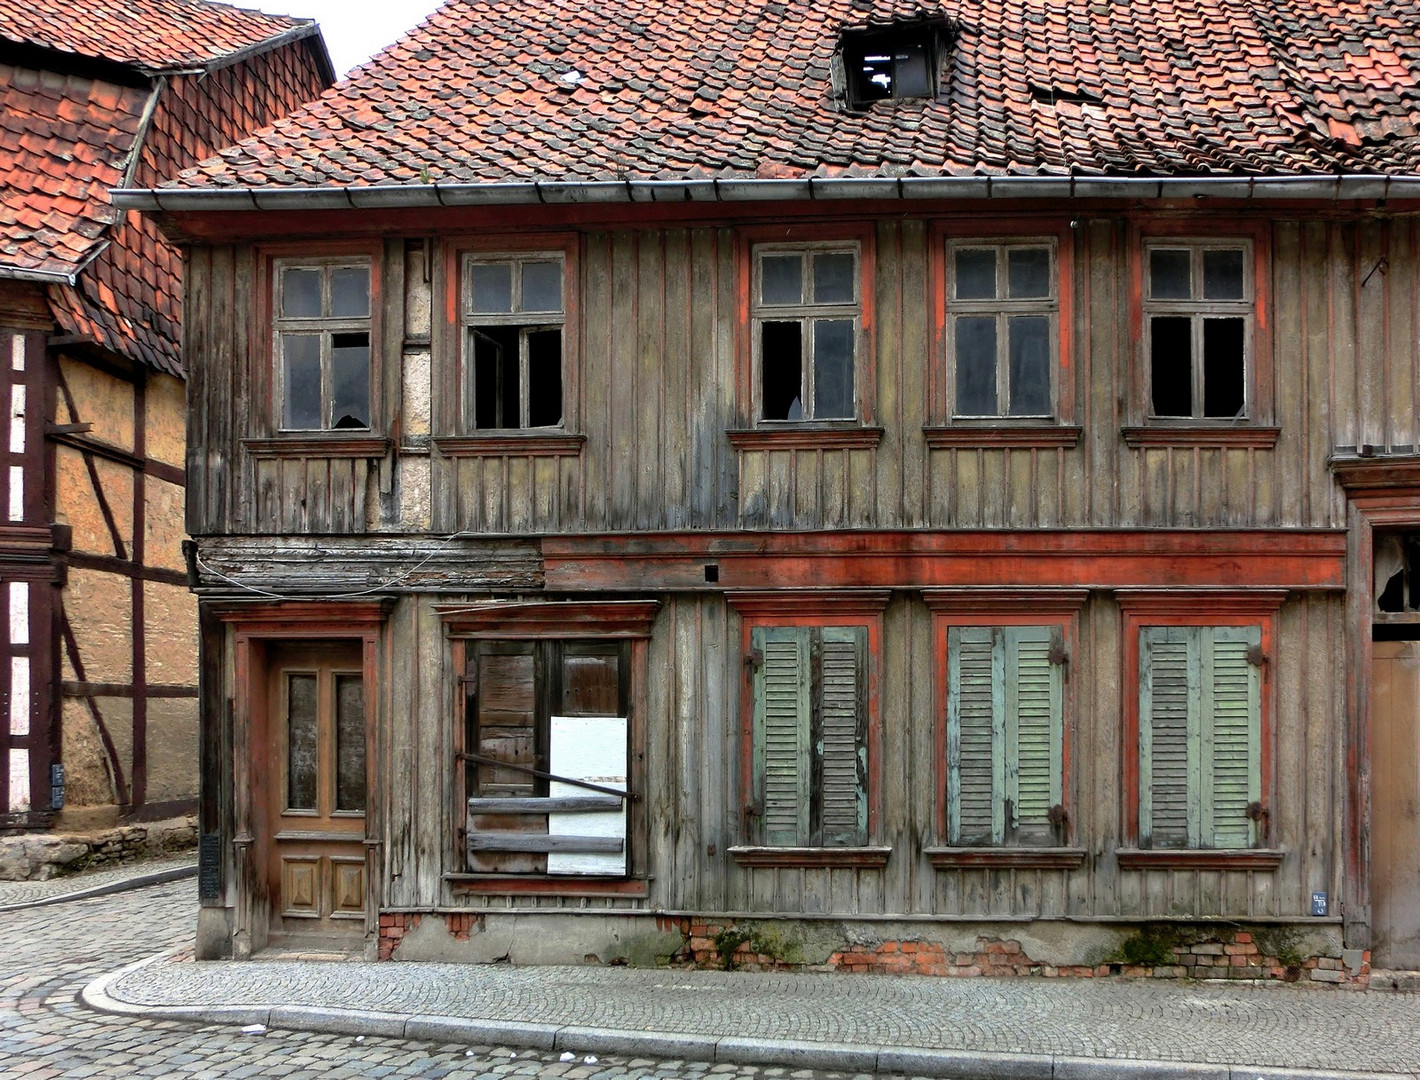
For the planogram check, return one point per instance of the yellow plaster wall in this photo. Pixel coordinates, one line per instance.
(170, 619)
(165, 406)
(172, 749)
(100, 399)
(164, 534)
(85, 760)
(78, 506)
(100, 611)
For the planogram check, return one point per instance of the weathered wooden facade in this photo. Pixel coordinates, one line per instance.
(860, 526)
(98, 714)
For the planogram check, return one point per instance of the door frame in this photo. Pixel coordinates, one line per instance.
(1381, 493)
(252, 629)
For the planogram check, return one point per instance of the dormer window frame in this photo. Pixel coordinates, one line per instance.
(888, 55)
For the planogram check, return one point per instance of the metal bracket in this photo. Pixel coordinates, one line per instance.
(1255, 656)
(754, 659)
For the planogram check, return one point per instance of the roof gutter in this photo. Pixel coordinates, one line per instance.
(555, 192)
(44, 277)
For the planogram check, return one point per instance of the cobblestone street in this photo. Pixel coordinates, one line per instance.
(48, 954)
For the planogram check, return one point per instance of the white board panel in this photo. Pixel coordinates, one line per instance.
(590, 748)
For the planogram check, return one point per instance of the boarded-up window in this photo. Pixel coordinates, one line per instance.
(1199, 736)
(1005, 734)
(542, 721)
(810, 735)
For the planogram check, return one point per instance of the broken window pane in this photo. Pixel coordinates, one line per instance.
(976, 365)
(1223, 274)
(301, 742)
(781, 279)
(781, 362)
(544, 377)
(350, 380)
(350, 292)
(833, 369)
(1224, 383)
(1029, 337)
(833, 278)
(976, 274)
(300, 355)
(1170, 274)
(492, 288)
(300, 294)
(1028, 272)
(542, 286)
(349, 742)
(1171, 365)
(495, 377)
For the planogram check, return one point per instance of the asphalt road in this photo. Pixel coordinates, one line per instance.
(48, 954)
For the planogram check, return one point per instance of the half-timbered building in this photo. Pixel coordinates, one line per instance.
(98, 629)
(829, 484)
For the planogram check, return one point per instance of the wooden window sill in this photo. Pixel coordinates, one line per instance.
(1200, 435)
(511, 444)
(318, 444)
(864, 857)
(1024, 436)
(805, 437)
(1199, 859)
(995, 858)
(561, 885)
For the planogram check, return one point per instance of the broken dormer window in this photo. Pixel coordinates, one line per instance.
(898, 62)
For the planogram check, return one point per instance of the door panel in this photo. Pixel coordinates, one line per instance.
(316, 806)
(1395, 804)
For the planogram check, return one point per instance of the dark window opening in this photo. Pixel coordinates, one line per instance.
(1224, 393)
(1397, 573)
(892, 64)
(1171, 365)
(782, 369)
(544, 378)
(499, 382)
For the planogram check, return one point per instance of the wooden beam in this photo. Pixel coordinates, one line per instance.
(541, 843)
(573, 804)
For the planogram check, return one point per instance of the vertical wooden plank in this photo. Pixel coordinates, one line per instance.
(707, 416)
(520, 495)
(1400, 291)
(648, 430)
(780, 493)
(676, 429)
(1372, 382)
(1346, 406)
(203, 466)
(1290, 380)
(624, 402)
(721, 752)
(726, 328)
(1320, 424)
(598, 457)
(753, 486)
(1106, 373)
(916, 361)
(887, 309)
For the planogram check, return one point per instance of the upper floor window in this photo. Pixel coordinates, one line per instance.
(322, 342)
(513, 316)
(900, 61)
(1003, 328)
(1198, 308)
(806, 311)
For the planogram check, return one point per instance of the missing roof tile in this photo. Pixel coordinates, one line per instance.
(1054, 95)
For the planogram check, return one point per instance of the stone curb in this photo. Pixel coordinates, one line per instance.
(834, 1057)
(138, 881)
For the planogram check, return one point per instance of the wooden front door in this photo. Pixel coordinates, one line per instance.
(1395, 804)
(316, 785)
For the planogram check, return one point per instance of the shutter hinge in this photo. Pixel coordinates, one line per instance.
(1057, 815)
(754, 659)
(1256, 811)
(1255, 656)
(1058, 655)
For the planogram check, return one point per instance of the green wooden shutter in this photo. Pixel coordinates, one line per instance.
(781, 727)
(1034, 736)
(840, 744)
(972, 763)
(1232, 774)
(1168, 713)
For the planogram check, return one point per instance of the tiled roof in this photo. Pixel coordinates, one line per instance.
(149, 34)
(506, 90)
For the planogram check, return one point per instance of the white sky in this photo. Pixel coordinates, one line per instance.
(354, 30)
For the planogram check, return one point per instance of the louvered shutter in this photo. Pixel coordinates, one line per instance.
(781, 726)
(1232, 774)
(1168, 722)
(1034, 730)
(974, 770)
(840, 750)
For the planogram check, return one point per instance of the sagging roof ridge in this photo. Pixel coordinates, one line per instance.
(1338, 187)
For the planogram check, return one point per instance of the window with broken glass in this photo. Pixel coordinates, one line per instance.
(1198, 325)
(322, 344)
(806, 313)
(1003, 328)
(513, 315)
(899, 62)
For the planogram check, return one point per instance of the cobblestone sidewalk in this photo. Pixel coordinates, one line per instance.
(23, 894)
(1229, 1025)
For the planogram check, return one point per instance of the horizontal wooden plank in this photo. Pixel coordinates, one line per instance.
(1006, 858)
(861, 857)
(540, 842)
(572, 804)
(1199, 859)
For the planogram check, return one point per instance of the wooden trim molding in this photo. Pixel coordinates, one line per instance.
(510, 445)
(1257, 437)
(550, 619)
(1200, 607)
(1199, 859)
(318, 445)
(507, 885)
(1020, 436)
(1024, 858)
(1034, 602)
(299, 618)
(1364, 477)
(820, 604)
(859, 857)
(805, 437)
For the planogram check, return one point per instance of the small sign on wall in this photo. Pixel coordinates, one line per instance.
(590, 748)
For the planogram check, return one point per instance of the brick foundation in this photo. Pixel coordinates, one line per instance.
(394, 926)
